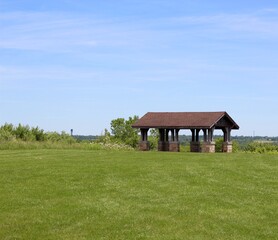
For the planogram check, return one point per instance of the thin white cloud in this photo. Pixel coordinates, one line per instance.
(60, 32)
(268, 10)
(49, 73)
(240, 23)
(46, 31)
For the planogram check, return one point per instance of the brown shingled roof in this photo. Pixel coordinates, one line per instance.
(183, 120)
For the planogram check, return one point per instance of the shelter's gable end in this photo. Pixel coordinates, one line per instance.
(226, 121)
(223, 122)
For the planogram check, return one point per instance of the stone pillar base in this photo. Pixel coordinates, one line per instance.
(208, 147)
(227, 147)
(194, 146)
(174, 146)
(144, 146)
(163, 146)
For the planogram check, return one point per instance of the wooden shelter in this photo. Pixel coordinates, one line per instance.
(172, 122)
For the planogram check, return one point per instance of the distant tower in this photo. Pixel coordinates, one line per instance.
(71, 132)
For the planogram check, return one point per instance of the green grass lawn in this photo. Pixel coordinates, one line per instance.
(77, 194)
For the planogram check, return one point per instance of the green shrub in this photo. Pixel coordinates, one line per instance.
(261, 147)
(236, 147)
(38, 134)
(24, 137)
(6, 136)
(218, 144)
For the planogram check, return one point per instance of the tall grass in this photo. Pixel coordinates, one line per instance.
(20, 145)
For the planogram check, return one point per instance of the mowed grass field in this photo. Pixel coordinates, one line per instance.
(77, 194)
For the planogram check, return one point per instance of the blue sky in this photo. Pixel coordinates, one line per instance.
(79, 64)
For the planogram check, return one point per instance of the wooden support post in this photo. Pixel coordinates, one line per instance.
(144, 145)
(197, 135)
(227, 145)
(205, 135)
(174, 145)
(210, 134)
(229, 134)
(193, 135)
(167, 135)
(161, 134)
(177, 135)
(195, 144)
(225, 135)
(163, 144)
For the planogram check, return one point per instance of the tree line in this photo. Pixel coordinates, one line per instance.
(10, 133)
(122, 134)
